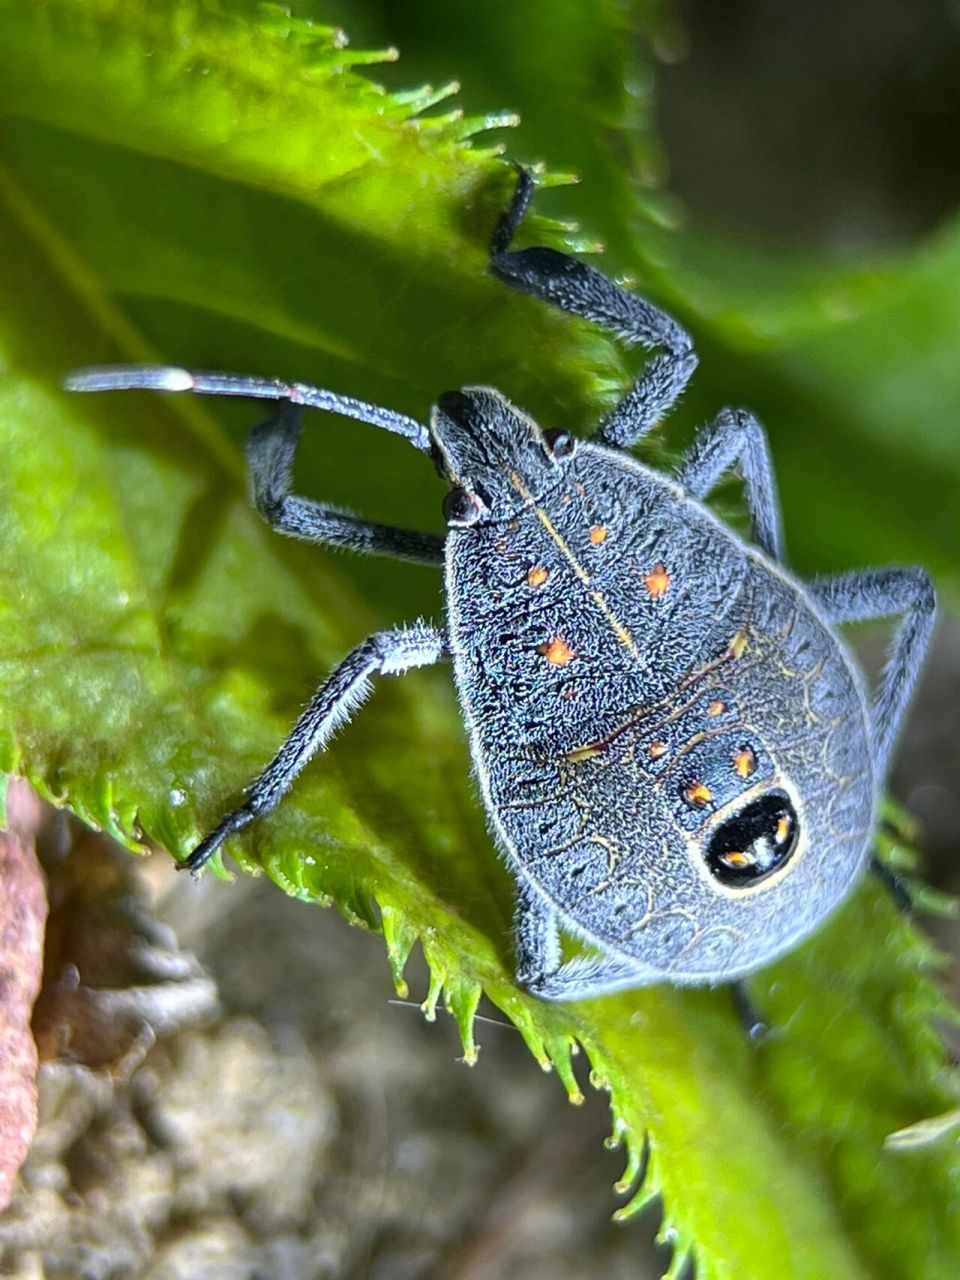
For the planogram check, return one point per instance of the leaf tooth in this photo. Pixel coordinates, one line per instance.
(399, 936)
(635, 1174)
(426, 96)
(286, 873)
(561, 1049)
(469, 126)
(932, 902)
(485, 154)
(438, 976)
(357, 907)
(416, 99)
(549, 178)
(519, 1014)
(642, 1174)
(599, 1081)
(449, 122)
(621, 1132)
(346, 57)
(96, 809)
(111, 818)
(277, 20)
(898, 828)
(644, 1197)
(923, 1132)
(679, 1261)
(682, 1245)
(462, 997)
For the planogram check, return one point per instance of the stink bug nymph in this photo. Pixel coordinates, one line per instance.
(679, 758)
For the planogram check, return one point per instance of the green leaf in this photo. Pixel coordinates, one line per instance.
(854, 370)
(221, 189)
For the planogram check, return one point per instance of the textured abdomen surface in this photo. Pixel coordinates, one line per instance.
(617, 651)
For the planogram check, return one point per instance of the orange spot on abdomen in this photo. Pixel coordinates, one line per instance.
(698, 793)
(657, 582)
(557, 651)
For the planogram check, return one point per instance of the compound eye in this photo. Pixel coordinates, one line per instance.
(560, 443)
(461, 508)
(758, 841)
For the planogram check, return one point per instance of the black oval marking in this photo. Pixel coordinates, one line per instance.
(758, 841)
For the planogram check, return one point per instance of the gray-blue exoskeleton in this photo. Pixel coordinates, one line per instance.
(678, 756)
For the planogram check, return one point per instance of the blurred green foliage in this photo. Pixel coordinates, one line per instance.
(217, 186)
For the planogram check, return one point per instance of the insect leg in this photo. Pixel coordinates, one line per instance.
(750, 1018)
(384, 653)
(536, 937)
(883, 593)
(736, 439)
(564, 282)
(539, 970)
(895, 886)
(168, 378)
(270, 453)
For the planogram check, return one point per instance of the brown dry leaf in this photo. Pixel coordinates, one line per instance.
(115, 977)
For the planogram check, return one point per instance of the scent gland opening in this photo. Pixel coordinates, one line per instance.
(755, 843)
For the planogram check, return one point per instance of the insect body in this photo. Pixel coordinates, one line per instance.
(675, 749)
(679, 758)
